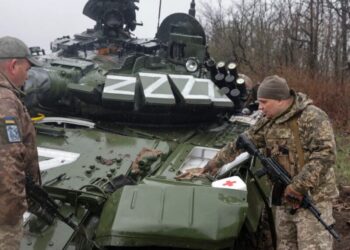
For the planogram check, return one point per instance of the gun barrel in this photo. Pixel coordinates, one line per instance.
(306, 203)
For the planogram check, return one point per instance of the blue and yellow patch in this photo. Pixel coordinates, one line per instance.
(9, 120)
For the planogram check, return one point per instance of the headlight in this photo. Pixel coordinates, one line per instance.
(192, 65)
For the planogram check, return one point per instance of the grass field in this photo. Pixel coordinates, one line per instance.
(343, 159)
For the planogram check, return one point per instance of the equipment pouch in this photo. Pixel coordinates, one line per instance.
(277, 193)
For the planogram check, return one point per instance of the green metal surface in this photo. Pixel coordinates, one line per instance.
(160, 210)
(57, 236)
(91, 144)
(194, 216)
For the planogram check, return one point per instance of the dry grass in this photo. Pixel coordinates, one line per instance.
(330, 95)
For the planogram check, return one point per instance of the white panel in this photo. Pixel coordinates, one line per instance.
(119, 88)
(219, 99)
(197, 158)
(233, 182)
(236, 162)
(156, 89)
(187, 89)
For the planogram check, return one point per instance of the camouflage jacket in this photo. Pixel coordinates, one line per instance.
(276, 138)
(18, 154)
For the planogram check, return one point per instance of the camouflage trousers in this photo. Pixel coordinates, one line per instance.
(10, 236)
(302, 231)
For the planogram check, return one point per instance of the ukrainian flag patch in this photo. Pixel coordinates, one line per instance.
(9, 120)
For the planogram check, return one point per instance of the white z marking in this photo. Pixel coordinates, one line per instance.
(57, 158)
(122, 81)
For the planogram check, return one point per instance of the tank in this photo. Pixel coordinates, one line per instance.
(120, 121)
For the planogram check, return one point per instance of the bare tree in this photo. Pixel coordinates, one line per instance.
(264, 36)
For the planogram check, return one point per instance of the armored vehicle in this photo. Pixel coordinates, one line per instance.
(120, 121)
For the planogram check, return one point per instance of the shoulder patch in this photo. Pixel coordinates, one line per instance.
(10, 130)
(13, 134)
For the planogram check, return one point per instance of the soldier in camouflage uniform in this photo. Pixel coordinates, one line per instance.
(18, 153)
(299, 135)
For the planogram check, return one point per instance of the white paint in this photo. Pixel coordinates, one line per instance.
(151, 90)
(122, 81)
(186, 91)
(57, 158)
(64, 120)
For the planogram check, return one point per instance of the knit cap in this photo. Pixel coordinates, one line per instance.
(11, 47)
(274, 87)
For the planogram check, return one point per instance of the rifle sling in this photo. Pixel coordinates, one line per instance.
(295, 131)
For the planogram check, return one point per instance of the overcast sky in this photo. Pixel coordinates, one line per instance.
(38, 22)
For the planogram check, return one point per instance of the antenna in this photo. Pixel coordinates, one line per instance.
(160, 9)
(192, 10)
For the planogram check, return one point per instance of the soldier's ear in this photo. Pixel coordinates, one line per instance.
(11, 66)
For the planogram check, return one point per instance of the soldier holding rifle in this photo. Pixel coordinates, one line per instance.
(18, 153)
(300, 137)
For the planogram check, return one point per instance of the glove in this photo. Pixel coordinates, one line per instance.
(293, 197)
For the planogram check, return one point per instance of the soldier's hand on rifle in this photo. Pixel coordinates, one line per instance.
(293, 197)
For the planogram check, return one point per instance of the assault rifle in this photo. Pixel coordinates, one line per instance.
(43, 206)
(281, 177)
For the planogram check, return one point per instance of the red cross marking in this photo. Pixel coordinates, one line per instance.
(229, 183)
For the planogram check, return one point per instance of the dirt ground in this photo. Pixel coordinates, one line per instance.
(342, 216)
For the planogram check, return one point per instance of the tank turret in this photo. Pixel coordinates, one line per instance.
(106, 73)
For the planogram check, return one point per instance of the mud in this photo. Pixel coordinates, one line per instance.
(341, 211)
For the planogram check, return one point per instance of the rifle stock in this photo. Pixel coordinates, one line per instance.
(43, 205)
(279, 175)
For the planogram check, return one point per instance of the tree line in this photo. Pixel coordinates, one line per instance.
(265, 36)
